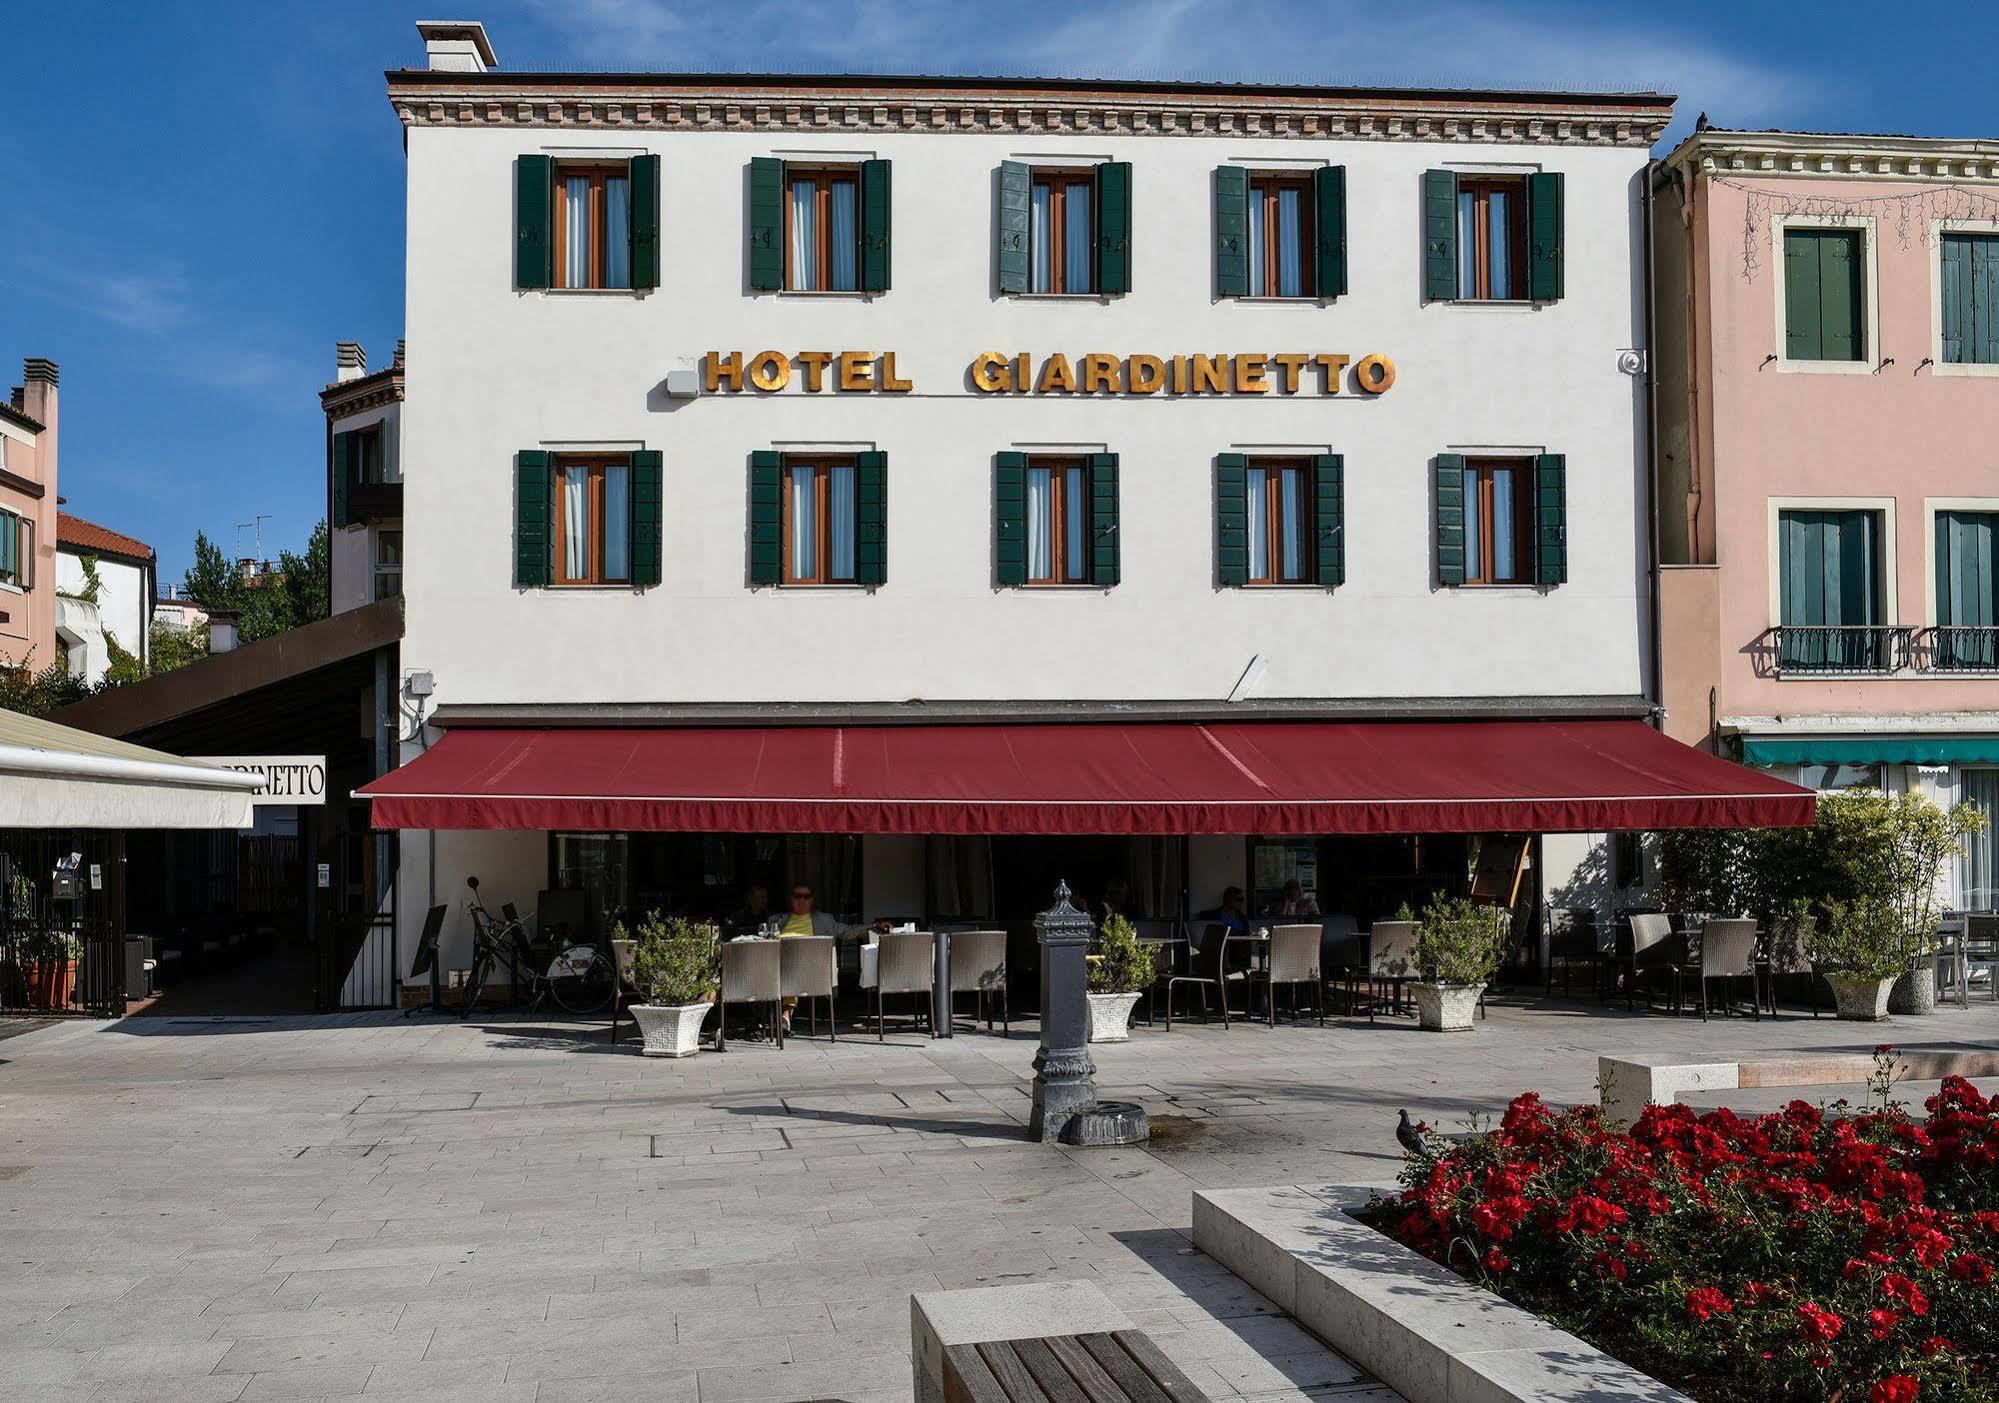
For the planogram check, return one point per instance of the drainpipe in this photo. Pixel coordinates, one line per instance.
(1657, 645)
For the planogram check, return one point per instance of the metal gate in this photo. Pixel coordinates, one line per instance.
(62, 923)
(360, 961)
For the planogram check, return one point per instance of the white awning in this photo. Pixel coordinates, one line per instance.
(55, 777)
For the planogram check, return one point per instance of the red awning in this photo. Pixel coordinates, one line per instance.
(1272, 777)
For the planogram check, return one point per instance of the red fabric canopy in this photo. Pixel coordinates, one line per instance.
(1271, 777)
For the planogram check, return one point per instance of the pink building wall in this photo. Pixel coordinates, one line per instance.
(28, 488)
(1740, 429)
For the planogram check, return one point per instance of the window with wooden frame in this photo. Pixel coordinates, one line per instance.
(822, 237)
(369, 466)
(593, 520)
(388, 564)
(1278, 496)
(821, 521)
(1062, 237)
(592, 224)
(1492, 238)
(1280, 236)
(16, 549)
(1499, 521)
(1058, 521)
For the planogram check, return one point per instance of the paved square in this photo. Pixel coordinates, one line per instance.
(364, 1206)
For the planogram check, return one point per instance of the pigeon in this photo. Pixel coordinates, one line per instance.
(1407, 1136)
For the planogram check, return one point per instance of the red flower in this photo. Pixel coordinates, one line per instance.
(1496, 1260)
(1935, 1345)
(1816, 1322)
(1972, 1269)
(1897, 1287)
(1706, 1301)
(1881, 1323)
(1896, 1388)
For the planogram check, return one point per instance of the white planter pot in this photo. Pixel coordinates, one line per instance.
(1860, 1000)
(1445, 1008)
(1110, 1017)
(670, 1030)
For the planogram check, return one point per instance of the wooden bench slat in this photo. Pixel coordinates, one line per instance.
(1049, 1373)
(1083, 1369)
(1011, 1373)
(1163, 1371)
(1131, 1377)
(967, 1379)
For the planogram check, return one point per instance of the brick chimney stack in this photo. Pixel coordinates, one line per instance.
(456, 45)
(38, 401)
(349, 360)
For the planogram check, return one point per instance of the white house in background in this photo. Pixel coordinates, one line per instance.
(118, 607)
(364, 478)
(174, 610)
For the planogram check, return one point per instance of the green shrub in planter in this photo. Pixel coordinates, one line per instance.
(675, 962)
(1459, 942)
(48, 947)
(1123, 964)
(1860, 939)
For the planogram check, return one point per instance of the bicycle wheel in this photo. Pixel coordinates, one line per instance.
(475, 982)
(580, 979)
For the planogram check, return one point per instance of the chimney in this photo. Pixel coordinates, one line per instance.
(222, 631)
(350, 362)
(456, 45)
(38, 402)
(399, 350)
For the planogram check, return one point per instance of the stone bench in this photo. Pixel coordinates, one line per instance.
(1040, 1341)
(1634, 1081)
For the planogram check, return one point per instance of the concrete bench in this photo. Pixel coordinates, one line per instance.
(1636, 1080)
(1041, 1341)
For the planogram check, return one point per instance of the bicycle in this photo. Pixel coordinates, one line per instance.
(579, 977)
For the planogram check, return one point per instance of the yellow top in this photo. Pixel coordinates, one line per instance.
(796, 924)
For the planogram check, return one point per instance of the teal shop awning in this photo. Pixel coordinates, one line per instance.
(1873, 750)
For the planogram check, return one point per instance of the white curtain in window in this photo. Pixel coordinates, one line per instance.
(1040, 523)
(1076, 521)
(576, 231)
(575, 523)
(1257, 236)
(841, 520)
(1078, 266)
(845, 238)
(1499, 241)
(1467, 243)
(804, 236)
(1504, 566)
(1290, 274)
(804, 525)
(1259, 517)
(617, 522)
(1040, 235)
(617, 231)
(1978, 888)
(1293, 524)
(1474, 552)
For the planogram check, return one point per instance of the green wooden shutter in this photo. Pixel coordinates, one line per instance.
(645, 221)
(1329, 517)
(1802, 333)
(766, 518)
(10, 548)
(646, 511)
(1983, 344)
(1011, 252)
(1967, 554)
(534, 516)
(1449, 472)
(1329, 188)
(1113, 208)
(534, 248)
(1958, 315)
(1232, 518)
(766, 224)
(1010, 517)
(1551, 519)
(1840, 297)
(343, 474)
(1231, 231)
(875, 207)
(870, 518)
(1104, 532)
(1544, 236)
(1440, 236)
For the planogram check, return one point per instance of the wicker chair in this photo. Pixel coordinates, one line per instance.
(906, 963)
(1294, 960)
(752, 973)
(809, 970)
(977, 960)
(1571, 942)
(1391, 961)
(1647, 949)
(1981, 953)
(1727, 953)
(623, 952)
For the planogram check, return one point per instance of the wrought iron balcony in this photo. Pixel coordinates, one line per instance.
(1948, 648)
(1815, 649)
(373, 501)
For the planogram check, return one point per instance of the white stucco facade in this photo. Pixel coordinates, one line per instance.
(123, 610)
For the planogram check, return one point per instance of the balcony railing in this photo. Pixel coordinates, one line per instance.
(1959, 649)
(373, 501)
(1812, 649)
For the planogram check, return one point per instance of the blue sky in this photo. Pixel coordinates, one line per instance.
(209, 193)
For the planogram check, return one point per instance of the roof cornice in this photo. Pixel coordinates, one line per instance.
(702, 102)
(347, 397)
(1837, 156)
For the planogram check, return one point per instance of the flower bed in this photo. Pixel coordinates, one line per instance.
(1816, 1253)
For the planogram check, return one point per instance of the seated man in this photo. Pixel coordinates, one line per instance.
(754, 911)
(1230, 912)
(804, 920)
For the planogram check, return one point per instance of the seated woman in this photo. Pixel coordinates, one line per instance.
(1295, 903)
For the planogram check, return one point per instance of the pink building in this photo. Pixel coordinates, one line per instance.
(28, 520)
(1827, 359)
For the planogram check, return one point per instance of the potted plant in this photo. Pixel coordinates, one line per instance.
(48, 966)
(1859, 949)
(1120, 970)
(1919, 838)
(1459, 945)
(676, 965)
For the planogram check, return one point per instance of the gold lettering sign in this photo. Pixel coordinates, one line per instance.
(1057, 373)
